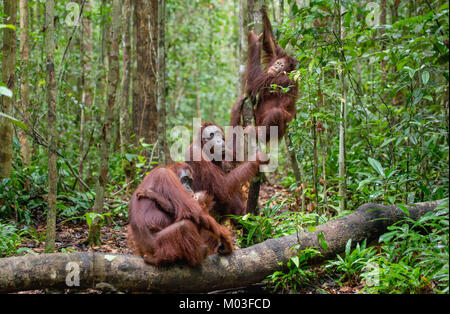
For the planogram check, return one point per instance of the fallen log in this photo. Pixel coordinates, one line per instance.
(244, 267)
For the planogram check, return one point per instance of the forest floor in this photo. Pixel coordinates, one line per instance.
(71, 236)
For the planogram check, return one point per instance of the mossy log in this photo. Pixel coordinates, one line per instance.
(243, 267)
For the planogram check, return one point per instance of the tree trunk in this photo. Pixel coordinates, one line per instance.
(161, 65)
(25, 81)
(293, 161)
(125, 94)
(243, 44)
(8, 77)
(243, 267)
(342, 117)
(382, 32)
(113, 81)
(323, 146)
(297, 168)
(144, 114)
(255, 8)
(198, 101)
(100, 78)
(316, 163)
(86, 82)
(52, 126)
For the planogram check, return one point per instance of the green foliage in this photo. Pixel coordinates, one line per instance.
(414, 256)
(89, 217)
(354, 261)
(201, 59)
(4, 91)
(273, 223)
(75, 203)
(258, 228)
(383, 183)
(396, 78)
(295, 273)
(9, 239)
(21, 194)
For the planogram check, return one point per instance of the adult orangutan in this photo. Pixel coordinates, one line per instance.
(271, 87)
(209, 170)
(166, 224)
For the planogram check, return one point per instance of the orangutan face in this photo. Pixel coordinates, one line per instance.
(186, 179)
(279, 66)
(214, 139)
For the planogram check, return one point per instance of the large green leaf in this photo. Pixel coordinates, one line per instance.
(20, 124)
(377, 166)
(4, 91)
(7, 26)
(425, 77)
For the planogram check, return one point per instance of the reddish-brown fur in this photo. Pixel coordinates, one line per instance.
(225, 188)
(212, 241)
(274, 107)
(167, 224)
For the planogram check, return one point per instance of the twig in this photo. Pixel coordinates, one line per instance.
(140, 176)
(40, 140)
(70, 40)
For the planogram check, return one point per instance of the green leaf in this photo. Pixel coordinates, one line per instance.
(4, 91)
(296, 261)
(365, 182)
(425, 77)
(377, 166)
(13, 120)
(321, 240)
(7, 26)
(130, 157)
(404, 209)
(348, 247)
(387, 236)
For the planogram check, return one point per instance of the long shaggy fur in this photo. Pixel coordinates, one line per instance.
(225, 188)
(259, 84)
(166, 224)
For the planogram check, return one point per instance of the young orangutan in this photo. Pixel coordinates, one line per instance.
(274, 91)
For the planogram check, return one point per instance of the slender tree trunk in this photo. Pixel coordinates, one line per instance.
(243, 44)
(86, 82)
(125, 95)
(144, 114)
(100, 77)
(316, 163)
(297, 169)
(324, 172)
(212, 107)
(322, 132)
(281, 15)
(198, 101)
(290, 151)
(52, 127)
(161, 64)
(382, 32)
(293, 160)
(25, 81)
(113, 81)
(254, 15)
(342, 116)
(8, 77)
